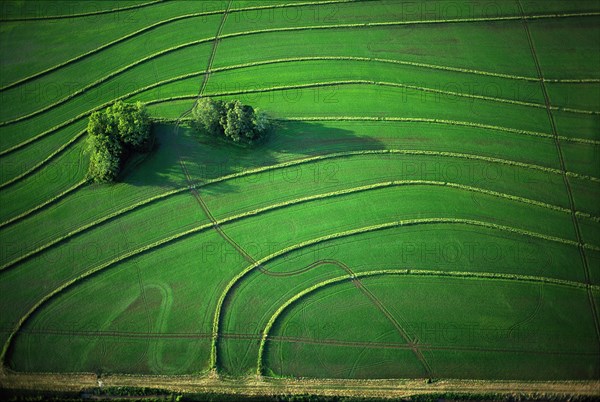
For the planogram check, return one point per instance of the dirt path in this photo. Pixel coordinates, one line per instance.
(270, 386)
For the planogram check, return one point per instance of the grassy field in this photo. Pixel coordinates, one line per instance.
(426, 206)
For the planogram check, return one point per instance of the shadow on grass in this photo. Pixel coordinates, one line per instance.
(206, 157)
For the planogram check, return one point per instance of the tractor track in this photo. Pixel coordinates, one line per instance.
(563, 169)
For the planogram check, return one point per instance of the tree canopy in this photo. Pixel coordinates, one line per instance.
(231, 119)
(114, 133)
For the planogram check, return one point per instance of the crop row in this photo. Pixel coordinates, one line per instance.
(406, 86)
(44, 161)
(148, 28)
(44, 204)
(388, 225)
(248, 172)
(407, 272)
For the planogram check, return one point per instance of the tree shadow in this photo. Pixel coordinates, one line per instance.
(206, 158)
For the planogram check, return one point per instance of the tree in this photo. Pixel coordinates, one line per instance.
(232, 119)
(207, 114)
(114, 133)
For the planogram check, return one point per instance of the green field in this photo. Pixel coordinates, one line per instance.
(426, 206)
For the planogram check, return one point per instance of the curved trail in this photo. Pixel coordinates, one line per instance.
(563, 168)
(354, 276)
(258, 264)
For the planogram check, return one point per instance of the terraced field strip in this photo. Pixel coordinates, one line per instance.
(407, 272)
(282, 29)
(307, 59)
(203, 227)
(78, 15)
(43, 162)
(584, 260)
(258, 264)
(44, 204)
(148, 28)
(250, 172)
(407, 86)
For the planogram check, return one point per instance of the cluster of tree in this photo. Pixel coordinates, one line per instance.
(232, 120)
(114, 133)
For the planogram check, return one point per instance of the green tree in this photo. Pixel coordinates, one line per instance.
(207, 114)
(118, 130)
(232, 119)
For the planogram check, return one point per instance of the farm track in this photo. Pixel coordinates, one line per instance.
(258, 264)
(582, 253)
(250, 385)
(367, 229)
(291, 339)
(352, 277)
(150, 200)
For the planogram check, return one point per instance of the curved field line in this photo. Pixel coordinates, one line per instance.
(250, 172)
(44, 204)
(96, 108)
(77, 15)
(259, 263)
(407, 119)
(407, 272)
(43, 162)
(410, 222)
(444, 122)
(406, 86)
(285, 29)
(301, 59)
(145, 29)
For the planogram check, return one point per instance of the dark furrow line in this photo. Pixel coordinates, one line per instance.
(564, 171)
(283, 338)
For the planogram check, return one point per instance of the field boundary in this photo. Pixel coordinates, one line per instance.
(41, 163)
(267, 386)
